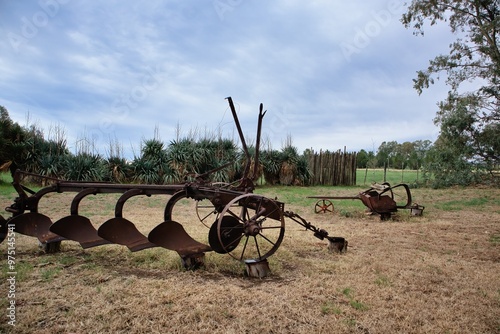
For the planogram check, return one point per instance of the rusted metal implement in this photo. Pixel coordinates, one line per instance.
(379, 199)
(247, 226)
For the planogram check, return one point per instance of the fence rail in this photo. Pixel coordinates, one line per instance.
(332, 168)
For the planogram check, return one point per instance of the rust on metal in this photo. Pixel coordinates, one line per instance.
(171, 235)
(248, 227)
(379, 199)
(122, 231)
(79, 228)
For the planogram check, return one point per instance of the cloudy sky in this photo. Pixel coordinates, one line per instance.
(331, 74)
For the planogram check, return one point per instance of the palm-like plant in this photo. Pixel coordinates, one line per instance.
(304, 174)
(85, 167)
(288, 170)
(153, 163)
(145, 171)
(118, 168)
(271, 163)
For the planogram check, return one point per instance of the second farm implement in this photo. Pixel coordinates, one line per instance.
(379, 199)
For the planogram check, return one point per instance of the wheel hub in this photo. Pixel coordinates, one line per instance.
(252, 228)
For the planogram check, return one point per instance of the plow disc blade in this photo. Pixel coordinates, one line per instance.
(122, 231)
(36, 225)
(80, 229)
(171, 235)
(3, 229)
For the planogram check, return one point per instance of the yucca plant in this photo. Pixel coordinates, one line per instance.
(146, 171)
(288, 169)
(153, 164)
(154, 150)
(304, 174)
(85, 167)
(50, 165)
(170, 175)
(119, 169)
(180, 155)
(271, 163)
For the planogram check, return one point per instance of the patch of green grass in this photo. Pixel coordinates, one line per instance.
(6, 188)
(393, 176)
(151, 258)
(330, 308)
(347, 292)
(351, 322)
(22, 270)
(357, 305)
(382, 281)
(495, 239)
(457, 205)
(48, 274)
(5, 178)
(67, 260)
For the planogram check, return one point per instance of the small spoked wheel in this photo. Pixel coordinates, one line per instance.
(250, 227)
(205, 210)
(323, 206)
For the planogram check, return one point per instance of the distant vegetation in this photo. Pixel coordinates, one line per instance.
(30, 149)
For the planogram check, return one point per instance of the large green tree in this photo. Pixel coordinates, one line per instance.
(469, 118)
(12, 137)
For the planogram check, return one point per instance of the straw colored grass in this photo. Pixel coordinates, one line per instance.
(438, 273)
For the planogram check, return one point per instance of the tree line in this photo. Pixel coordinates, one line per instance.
(30, 149)
(391, 154)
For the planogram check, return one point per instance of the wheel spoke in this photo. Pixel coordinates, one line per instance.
(257, 247)
(237, 216)
(265, 238)
(270, 227)
(208, 215)
(244, 249)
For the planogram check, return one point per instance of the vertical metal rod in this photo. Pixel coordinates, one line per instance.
(242, 138)
(257, 145)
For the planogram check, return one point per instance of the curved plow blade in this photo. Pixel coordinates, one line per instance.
(36, 225)
(78, 228)
(171, 235)
(122, 231)
(3, 229)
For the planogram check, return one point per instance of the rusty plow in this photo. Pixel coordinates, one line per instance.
(246, 226)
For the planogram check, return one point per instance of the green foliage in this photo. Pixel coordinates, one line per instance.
(85, 167)
(469, 120)
(495, 239)
(152, 166)
(365, 159)
(330, 308)
(118, 169)
(449, 167)
(12, 137)
(145, 171)
(271, 162)
(304, 174)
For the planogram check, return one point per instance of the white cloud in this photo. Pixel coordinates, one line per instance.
(122, 68)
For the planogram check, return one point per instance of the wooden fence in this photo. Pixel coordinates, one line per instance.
(332, 168)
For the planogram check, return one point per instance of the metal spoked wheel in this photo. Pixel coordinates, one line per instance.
(250, 227)
(205, 210)
(323, 206)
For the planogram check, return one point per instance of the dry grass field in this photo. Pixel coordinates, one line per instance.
(438, 273)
